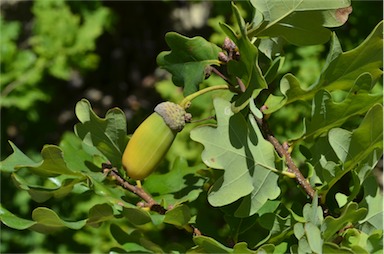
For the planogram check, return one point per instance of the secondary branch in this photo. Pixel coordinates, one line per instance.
(285, 154)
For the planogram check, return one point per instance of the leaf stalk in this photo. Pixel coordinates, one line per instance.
(186, 102)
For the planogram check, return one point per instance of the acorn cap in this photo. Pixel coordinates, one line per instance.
(174, 115)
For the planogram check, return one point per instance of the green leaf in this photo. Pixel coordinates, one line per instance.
(329, 247)
(13, 221)
(300, 22)
(16, 160)
(53, 163)
(373, 202)
(356, 240)
(42, 193)
(308, 233)
(340, 71)
(247, 68)
(107, 134)
(243, 248)
(205, 244)
(98, 214)
(178, 216)
(313, 213)
(180, 184)
(327, 114)
(134, 241)
(239, 148)
(188, 59)
(48, 221)
(111, 195)
(366, 138)
(278, 227)
(364, 146)
(314, 237)
(273, 10)
(350, 214)
(136, 215)
(80, 156)
(309, 237)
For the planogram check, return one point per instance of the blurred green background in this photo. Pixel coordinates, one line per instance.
(53, 53)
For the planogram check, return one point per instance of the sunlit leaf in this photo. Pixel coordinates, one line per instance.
(16, 160)
(48, 221)
(80, 156)
(301, 22)
(53, 163)
(13, 221)
(206, 244)
(238, 147)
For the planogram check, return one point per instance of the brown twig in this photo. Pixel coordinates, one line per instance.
(149, 202)
(283, 152)
(218, 73)
(140, 192)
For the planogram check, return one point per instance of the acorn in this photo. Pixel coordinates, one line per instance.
(152, 139)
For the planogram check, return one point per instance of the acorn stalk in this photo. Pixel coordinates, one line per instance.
(152, 139)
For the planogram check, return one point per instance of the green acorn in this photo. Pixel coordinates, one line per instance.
(152, 139)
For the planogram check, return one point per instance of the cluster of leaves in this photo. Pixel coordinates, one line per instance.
(244, 180)
(46, 52)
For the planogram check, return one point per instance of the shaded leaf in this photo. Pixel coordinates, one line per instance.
(134, 241)
(179, 185)
(246, 68)
(188, 59)
(111, 195)
(340, 71)
(278, 227)
(364, 147)
(373, 202)
(42, 193)
(327, 114)
(136, 216)
(98, 214)
(178, 216)
(107, 134)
